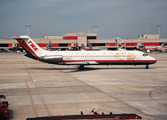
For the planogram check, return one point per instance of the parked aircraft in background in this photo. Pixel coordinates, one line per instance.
(81, 58)
(155, 48)
(161, 48)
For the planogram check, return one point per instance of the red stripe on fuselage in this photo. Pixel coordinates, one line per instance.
(22, 42)
(121, 62)
(112, 62)
(107, 61)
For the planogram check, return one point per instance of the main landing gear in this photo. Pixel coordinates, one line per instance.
(81, 67)
(147, 67)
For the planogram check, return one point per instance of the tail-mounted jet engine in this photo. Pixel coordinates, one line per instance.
(52, 58)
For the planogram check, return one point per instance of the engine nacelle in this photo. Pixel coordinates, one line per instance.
(52, 58)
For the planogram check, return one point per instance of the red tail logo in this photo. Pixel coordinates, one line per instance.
(32, 45)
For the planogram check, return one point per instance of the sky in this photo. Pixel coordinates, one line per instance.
(114, 18)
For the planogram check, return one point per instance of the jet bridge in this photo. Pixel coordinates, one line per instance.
(120, 43)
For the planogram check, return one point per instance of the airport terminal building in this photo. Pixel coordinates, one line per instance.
(74, 41)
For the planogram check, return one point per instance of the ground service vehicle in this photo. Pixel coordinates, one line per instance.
(3, 108)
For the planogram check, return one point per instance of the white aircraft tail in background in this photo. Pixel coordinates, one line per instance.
(161, 48)
(82, 58)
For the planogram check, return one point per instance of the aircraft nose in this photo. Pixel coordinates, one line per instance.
(153, 60)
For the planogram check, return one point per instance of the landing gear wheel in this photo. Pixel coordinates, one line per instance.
(147, 67)
(81, 67)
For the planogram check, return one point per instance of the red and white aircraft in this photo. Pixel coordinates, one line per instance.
(81, 58)
(155, 48)
(161, 48)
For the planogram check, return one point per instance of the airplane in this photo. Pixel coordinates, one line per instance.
(161, 48)
(81, 58)
(154, 48)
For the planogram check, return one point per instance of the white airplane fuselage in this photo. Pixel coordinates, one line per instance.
(82, 58)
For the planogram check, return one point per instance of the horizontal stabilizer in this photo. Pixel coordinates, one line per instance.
(22, 37)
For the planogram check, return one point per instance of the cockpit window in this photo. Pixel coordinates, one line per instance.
(145, 54)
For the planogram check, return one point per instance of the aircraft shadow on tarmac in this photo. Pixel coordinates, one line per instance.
(87, 68)
(105, 68)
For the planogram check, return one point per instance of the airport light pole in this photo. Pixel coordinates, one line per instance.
(28, 29)
(89, 29)
(147, 31)
(159, 26)
(95, 27)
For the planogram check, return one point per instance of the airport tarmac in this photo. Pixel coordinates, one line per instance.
(36, 89)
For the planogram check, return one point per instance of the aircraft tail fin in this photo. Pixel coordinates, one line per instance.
(32, 49)
(162, 45)
(90, 47)
(83, 46)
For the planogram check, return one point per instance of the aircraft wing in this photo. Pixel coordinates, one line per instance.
(80, 63)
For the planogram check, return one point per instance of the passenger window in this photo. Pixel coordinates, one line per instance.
(145, 54)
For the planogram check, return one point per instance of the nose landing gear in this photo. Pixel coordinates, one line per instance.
(147, 67)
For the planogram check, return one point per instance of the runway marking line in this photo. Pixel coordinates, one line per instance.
(162, 76)
(109, 100)
(32, 103)
(91, 99)
(120, 82)
(85, 96)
